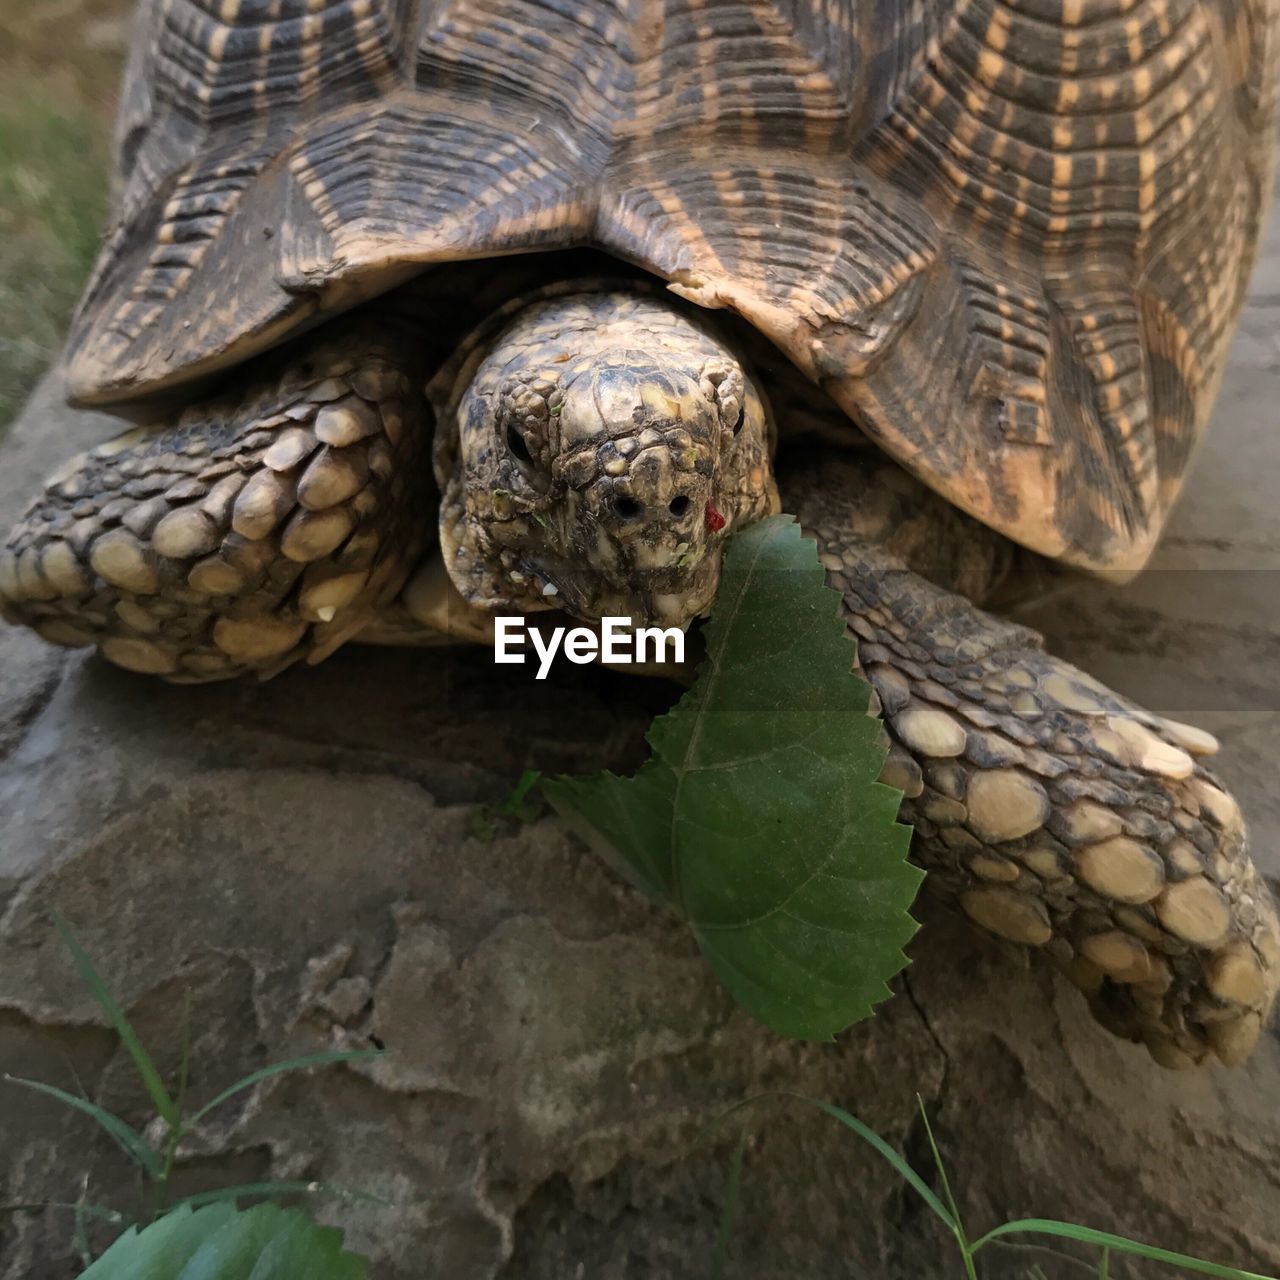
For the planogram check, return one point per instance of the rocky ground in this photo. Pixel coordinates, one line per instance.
(303, 860)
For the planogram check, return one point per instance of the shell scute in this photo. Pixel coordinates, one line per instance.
(1010, 242)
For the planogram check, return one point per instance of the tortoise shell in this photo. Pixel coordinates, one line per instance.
(1008, 237)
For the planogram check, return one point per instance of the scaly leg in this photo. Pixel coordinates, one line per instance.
(1056, 813)
(265, 526)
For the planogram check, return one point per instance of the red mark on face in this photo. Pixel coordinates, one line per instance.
(715, 521)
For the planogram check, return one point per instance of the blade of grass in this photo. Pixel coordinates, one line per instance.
(184, 1065)
(178, 1130)
(1060, 1255)
(279, 1068)
(510, 807)
(874, 1140)
(730, 1210)
(81, 1232)
(941, 1168)
(100, 1212)
(1104, 1265)
(127, 1138)
(1118, 1244)
(962, 1238)
(268, 1189)
(163, 1103)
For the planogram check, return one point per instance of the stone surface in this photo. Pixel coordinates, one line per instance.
(302, 860)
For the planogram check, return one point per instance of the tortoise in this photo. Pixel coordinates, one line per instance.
(427, 312)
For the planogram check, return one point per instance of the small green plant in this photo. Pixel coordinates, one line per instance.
(524, 803)
(759, 816)
(226, 1245)
(946, 1209)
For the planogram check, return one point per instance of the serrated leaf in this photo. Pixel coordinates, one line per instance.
(221, 1242)
(759, 815)
(162, 1250)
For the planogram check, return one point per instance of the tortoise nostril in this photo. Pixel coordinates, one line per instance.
(679, 506)
(627, 508)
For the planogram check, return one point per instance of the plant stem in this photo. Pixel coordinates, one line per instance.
(177, 1127)
(957, 1225)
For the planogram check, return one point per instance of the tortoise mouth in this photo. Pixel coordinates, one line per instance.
(539, 578)
(671, 599)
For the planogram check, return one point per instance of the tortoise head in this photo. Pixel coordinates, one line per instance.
(593, 455)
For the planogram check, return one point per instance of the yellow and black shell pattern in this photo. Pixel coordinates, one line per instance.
(1009, 237)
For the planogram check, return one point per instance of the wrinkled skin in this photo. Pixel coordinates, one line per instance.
(597, 452)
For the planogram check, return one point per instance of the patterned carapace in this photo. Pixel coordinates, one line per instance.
(1007, 236)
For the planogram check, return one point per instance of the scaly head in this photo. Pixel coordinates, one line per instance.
(592, 457)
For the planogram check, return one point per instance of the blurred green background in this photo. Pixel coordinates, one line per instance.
(59, 65)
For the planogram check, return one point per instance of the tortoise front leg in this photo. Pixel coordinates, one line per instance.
(262, 527)
(1056, 813)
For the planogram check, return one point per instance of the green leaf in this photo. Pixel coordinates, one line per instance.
(519, 805)
(260, 1189)
(129, 1139)
(163, 1103)
(522, 804)
(1062, 1260)
(1116, 1244)
(279, 1068)
(220, 1242)
(759, 816)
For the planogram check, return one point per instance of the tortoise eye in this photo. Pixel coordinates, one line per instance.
(742, 417)
(516, 443)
